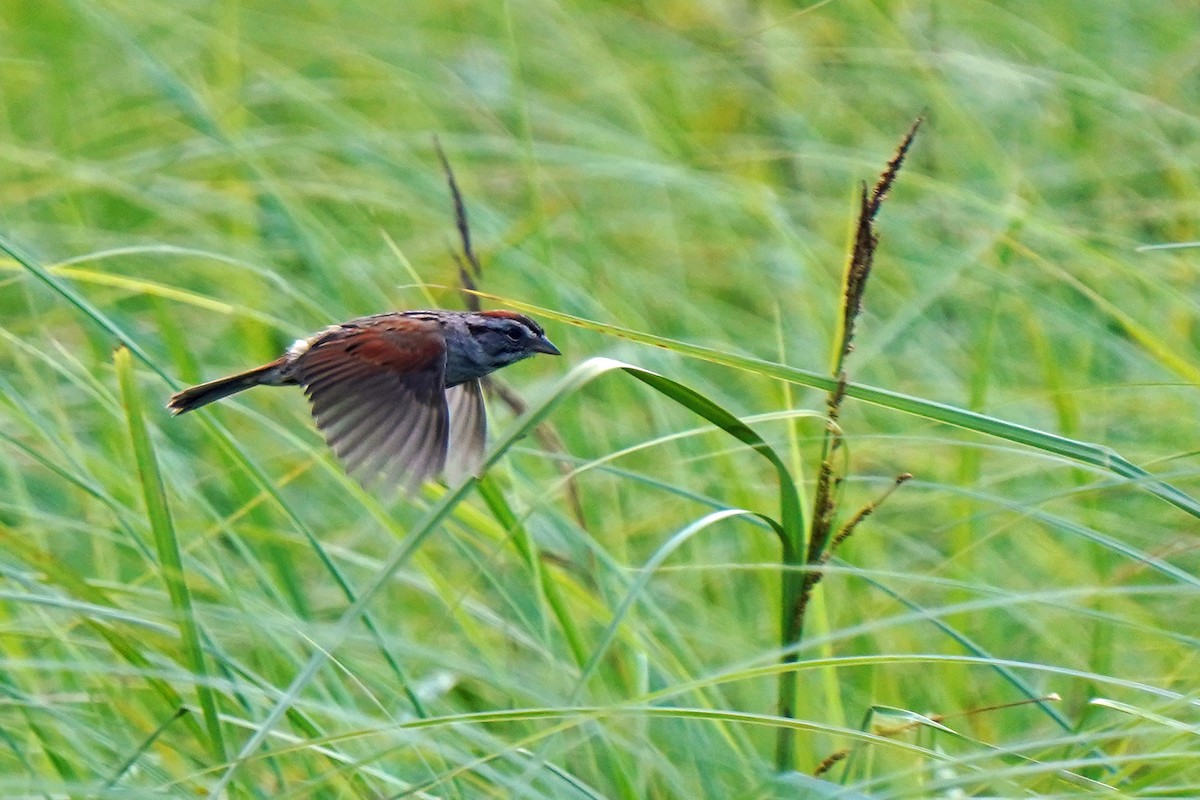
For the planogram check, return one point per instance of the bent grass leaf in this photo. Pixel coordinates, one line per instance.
(1094, 455)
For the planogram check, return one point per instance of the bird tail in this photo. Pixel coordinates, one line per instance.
(205, 393)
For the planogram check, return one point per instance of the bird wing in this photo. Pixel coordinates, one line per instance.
(468, 430)
(378, 394)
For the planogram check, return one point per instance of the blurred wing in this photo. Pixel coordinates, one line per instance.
(468, 430)
(378, 394)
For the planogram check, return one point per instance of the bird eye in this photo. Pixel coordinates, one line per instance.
(515, 334)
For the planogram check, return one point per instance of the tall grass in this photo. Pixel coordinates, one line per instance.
(208, 606)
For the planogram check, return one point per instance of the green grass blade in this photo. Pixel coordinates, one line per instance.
(527, 548)
(167, 545)
(1095, 455)
(64, 290)
(645, 573)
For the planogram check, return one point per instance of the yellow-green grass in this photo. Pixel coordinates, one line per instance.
(185, 188)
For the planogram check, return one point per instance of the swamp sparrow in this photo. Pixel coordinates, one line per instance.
(397, 395)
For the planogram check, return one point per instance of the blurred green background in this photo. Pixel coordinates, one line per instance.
(219, 178)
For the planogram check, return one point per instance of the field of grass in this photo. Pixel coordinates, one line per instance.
(206, 606)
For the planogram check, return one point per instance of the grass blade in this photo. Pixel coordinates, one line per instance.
(1094, 455)
(167, 546)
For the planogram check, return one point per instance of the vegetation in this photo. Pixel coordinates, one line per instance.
(208, 606)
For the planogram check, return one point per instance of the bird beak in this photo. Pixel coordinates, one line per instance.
(543, 345)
